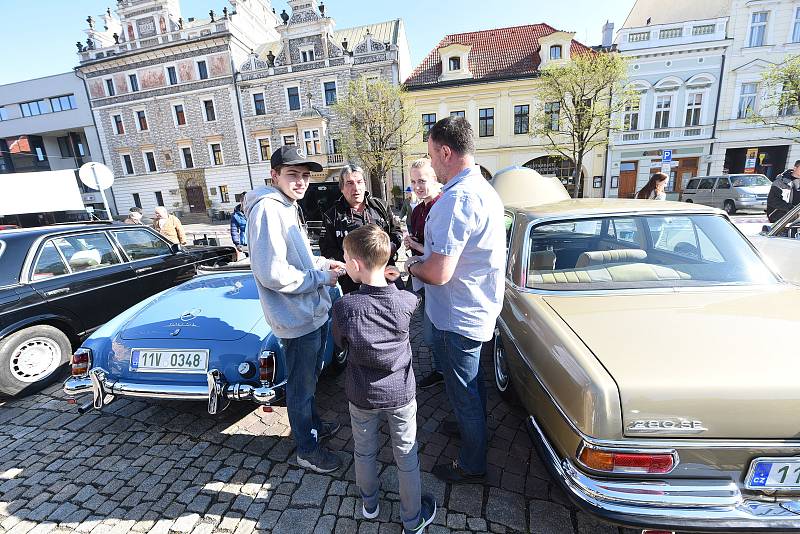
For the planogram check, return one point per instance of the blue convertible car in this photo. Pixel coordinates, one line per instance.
(204, 340)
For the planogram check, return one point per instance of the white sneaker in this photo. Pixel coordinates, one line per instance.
(370, 515)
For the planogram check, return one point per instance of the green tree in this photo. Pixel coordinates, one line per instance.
(578, 106)
(781, 107)
(380, 128)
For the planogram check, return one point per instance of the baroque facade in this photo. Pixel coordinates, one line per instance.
(289, 85)
(190, 110)
(676, 59)
(763, 34)
(491, 78)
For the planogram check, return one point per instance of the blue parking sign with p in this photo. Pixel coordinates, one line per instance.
(666, 155)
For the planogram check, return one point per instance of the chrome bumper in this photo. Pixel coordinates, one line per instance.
(751, 204)
(217, 391)
(682, 504)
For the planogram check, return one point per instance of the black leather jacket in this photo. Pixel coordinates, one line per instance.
(339, 220)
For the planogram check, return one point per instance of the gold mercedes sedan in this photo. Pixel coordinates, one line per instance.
(657, 357)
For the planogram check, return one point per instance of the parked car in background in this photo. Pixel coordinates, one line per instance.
(780, 245)
(618, 336)
(730, 192)
(59, 283)
(204, 340)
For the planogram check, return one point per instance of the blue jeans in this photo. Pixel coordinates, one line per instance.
(460, 359)
(304, 358)
(427, 335)
(366, 444)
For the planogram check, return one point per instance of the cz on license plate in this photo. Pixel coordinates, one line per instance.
(181, 361)
(774, 473)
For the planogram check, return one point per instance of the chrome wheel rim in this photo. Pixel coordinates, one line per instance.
(500, 368)
(35, 359)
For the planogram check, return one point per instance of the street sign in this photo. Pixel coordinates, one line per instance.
(665, 168)
(666, 155)
(97, 176)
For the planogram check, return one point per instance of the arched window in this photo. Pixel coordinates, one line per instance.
(555, 52)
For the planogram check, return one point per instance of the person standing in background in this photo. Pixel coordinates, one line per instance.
(239, 229)
(169, 226)
(654, 188)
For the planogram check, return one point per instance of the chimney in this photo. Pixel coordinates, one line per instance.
(608, 34)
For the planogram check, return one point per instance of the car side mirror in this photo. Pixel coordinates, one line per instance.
(175, 248)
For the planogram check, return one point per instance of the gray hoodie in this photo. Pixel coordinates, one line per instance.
(291, 281)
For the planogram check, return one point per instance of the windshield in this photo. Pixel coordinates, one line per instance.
(629, 252)
(751, 180)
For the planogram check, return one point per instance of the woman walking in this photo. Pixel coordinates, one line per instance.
(654, 188)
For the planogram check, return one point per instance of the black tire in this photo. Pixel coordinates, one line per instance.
(689, 201)
(338, 362)
(502, 377)
(730, 207)
(31, 358)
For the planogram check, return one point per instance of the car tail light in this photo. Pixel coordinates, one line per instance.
(81, 361)
(628, 461)
(266, 366)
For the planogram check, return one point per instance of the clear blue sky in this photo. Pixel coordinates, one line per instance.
(39, 36)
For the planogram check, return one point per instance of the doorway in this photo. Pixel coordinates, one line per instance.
(196, 199)
(627, 179)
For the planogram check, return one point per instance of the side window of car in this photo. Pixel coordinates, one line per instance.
(626, 230)
(509, 222)
(140, 244)
(723, 183)
(49, 263)
(706, 183)
(87, 251)
(693, 183)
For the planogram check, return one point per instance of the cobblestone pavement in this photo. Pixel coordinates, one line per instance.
(164, 467)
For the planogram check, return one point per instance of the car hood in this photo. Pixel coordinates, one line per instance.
(755, 189)
(220, 306)
(726, 360)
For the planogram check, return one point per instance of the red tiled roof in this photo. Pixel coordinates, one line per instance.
(498, 53)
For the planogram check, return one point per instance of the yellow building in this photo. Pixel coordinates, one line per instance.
(490, 77)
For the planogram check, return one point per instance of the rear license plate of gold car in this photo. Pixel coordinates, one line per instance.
(774, 473)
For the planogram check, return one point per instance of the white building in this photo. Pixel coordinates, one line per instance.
(46, 124)
(676, 59)
(165, 101)
(764, 33)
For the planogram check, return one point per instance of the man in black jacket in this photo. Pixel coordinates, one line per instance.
(784, 193)
(354, 209)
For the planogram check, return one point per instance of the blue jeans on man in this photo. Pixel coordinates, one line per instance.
(304, 359)
(459, 358)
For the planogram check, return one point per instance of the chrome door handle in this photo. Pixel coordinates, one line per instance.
(57, 292)
(143, 270)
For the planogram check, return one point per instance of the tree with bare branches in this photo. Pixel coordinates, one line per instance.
(578, 106)
(380, 128)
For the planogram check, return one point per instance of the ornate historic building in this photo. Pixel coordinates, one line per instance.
(289, 84)
(188, 110)
(491, 78)
(676, 58)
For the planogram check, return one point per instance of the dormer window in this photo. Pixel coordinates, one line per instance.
(455, 63)
(555, 52)
(307, 54)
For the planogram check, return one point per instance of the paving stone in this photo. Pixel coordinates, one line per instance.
(325, 524)
(368, 527)
(312, 490)
(589, 525)
(466, 498)
(457, 521)
(548, 517)
(347, 508)
(346, 526)
(297, 521)
(278, 502)
(268, 520)
(506, 508)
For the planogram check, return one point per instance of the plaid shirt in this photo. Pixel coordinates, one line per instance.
(373, 323)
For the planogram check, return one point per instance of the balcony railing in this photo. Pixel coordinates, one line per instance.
(678, 134)
(335, 159)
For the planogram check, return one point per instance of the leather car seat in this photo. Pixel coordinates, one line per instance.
(600, 257)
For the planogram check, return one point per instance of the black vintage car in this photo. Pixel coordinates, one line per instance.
(59, 283)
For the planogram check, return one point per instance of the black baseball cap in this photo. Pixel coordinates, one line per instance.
(292, 155)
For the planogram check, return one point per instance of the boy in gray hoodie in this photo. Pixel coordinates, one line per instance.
(292, 287)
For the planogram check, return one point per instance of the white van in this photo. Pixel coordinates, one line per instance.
(730, 192)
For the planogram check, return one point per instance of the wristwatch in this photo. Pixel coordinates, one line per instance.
(411, 262)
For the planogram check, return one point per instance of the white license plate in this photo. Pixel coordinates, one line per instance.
(774, 473)
(176, 361)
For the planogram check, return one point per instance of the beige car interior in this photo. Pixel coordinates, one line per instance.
(598, 266)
